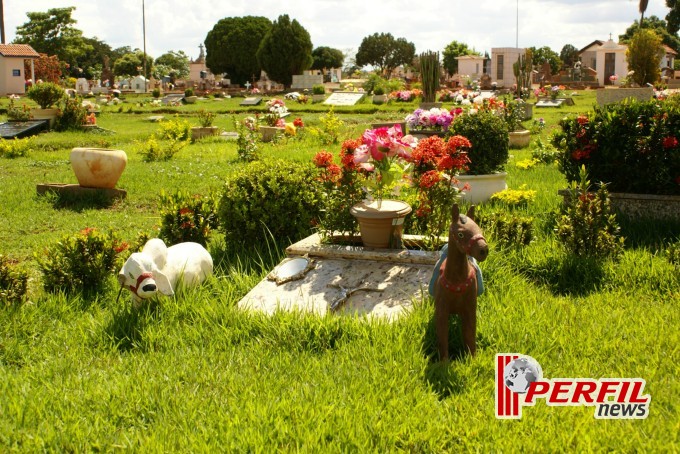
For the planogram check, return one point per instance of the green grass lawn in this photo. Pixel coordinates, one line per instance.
(196, 374)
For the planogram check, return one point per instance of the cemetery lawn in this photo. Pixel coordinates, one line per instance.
(196, 374)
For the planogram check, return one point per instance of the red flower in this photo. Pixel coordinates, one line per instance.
(455, 143)
(87, 231)
(298, 123)
(120, 247)
(335, 171)
(185, 210)
(670, 142)
(429, 179)
(428, 150)
(582, 120)
(323, 159)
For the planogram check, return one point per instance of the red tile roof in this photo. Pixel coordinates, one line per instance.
(18, 50)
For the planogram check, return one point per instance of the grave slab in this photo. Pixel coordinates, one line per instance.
(21, 129)
(343, 98)
(75, 190)
(251, 101)
(549, 103)
(395, 276)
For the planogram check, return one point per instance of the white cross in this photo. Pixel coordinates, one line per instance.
(247, 85)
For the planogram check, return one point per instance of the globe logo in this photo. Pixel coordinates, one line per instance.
(521, 372)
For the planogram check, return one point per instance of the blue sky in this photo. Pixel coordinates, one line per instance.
(482, 24)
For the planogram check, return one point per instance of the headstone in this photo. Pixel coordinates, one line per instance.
(82, 87)
(485, 82)
(302, 81)
(251, 101)
(172, 99)
(343, 98)
(549, 103)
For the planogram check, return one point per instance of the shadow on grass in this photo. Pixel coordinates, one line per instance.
(81, 202)
(566, 274)
(128, 324)
(649, 234)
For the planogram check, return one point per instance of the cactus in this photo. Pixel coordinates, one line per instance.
(522, 70)
(430, 72)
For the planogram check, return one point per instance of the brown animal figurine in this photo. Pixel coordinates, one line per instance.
(457, 280)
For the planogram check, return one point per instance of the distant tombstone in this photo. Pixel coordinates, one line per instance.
(549, 103)
(82, 87)
(251, 101)
(546, 73)
(485, 82)
(343, 98)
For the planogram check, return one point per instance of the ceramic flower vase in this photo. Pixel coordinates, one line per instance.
(269, 132)
(381, 223)
(98, 167)
(481, 187)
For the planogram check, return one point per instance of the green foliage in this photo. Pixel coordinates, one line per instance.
(161, 150)
(488, 134)
(45, 94)
(508, 229)
(285, 50)
(451, 51)
(513, 113)
(13, 282)
(644, 54)
(373, 83)
(15, 148)
(515, 197)
(522, 69)
(16, 113)
(384, 52)
(329, 132)
(186, 217)
(178, 130)
(175, 65)
(659, 26)
(231, 47)
(206, 118)
(430, 74)
(276, 198)
(326, 57)
(546, 54)
(587, 225)
(156, 93)
(544, 152)
(673, 253)
(633, 147)
(72, 114)
(246, 144)
(132, 64)
(318, 89)
(82, 262)
(188, 92)
(569, 55)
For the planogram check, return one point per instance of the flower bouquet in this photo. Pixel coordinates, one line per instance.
(406, 95)
(276, 110)
(434, 119)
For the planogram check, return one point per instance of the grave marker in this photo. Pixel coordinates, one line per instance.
(343, 98)
(251, 101)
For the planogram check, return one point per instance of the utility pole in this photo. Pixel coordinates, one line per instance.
(517, 27)
(144, 39)
(2, 22)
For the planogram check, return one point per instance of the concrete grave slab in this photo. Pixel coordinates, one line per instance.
(343, 98)
(21, 129)
(251, 101)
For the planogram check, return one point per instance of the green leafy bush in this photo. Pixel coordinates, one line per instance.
(279, 196)
(13, 282)
(72, 114)
(515, 197)
(318, 89)
(82, 262)
(544, 152)
(15, 113)
(508, 229)
(587, 225)
(488, 134)
(161, 150)
(189, 92)
(206, 118)
(329, 132)
(186, 217)
(156, 93)
(45, 94)
(633, 147)
(14, 148)
(179, 130)
(246, 142)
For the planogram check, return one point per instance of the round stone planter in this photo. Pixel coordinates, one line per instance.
(200, 132)
(270, 132)
(98, 167)
(425, 133)
(190, 99)
(379, 99)
(482, 187)
(381, 223)
(318, 98)
(519, 139)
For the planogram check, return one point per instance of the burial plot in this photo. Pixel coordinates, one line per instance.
(172, 99)
(343, 98)
(347, 279)
(21, 129)
(251, 101)
(549, 103)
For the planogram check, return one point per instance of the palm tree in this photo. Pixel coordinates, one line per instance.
(642, 7)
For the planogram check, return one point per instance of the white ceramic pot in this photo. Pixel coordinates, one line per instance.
(269, 132)
(482, 187)
(98, 167)
(519, 139)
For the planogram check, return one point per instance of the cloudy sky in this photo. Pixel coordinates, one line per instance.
(481, 24)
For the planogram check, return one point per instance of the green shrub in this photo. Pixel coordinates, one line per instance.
(544, 152)
(673, 253)
(318, 89)
(633, 146)
(515, 197)
(72, 114)
(15, 113)
(278, 196)
(508, 229)
(587, 225)
(186, 217)
(179, 130)
(82, 262)
(161, 150)
(189, 92)
(45, 94)
(156, 93)
(14, 148)
(488, 134)
(329, 132)
(246, 142)
(206, 118)
(13, 282)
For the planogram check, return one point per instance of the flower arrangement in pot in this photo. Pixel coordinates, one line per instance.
(488, 134)
(205, 119)
(434, 120)
(512, 111)
(273, 119)
(46, 95)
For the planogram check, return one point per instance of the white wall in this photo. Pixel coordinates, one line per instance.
(9, 83)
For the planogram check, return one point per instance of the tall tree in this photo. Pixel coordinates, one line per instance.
(642, 7)
(659, 26)
(47, 68)
(53, 33)
(132, 64)
(644, 55)
(546, 54)
(232, 44)
(384, 52)
(673, 17)
(285, 50)
(97, 58)
(327, 57)
(569, 55)
(451, 51)
(174, 64)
